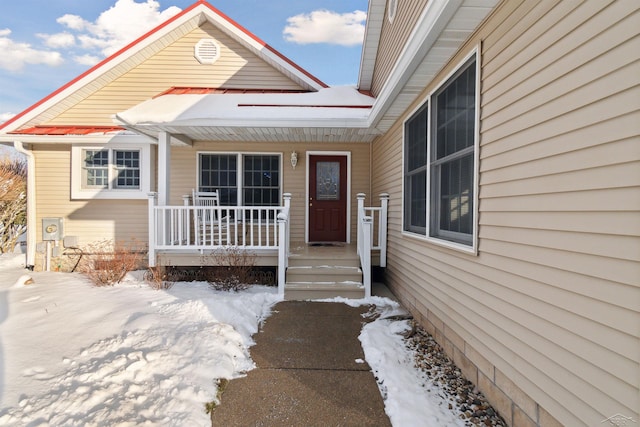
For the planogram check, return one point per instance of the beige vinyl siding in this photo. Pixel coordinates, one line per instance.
(184, 169)
(176, 65)
(393, 36)
(552, 301)
(90, 220)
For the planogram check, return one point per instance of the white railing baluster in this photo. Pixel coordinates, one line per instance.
(247, 226)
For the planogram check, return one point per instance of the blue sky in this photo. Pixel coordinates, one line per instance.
(45, 44)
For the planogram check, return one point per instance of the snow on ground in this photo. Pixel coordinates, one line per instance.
(74, 354)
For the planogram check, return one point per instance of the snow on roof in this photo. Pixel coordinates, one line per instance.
(193, 15)
(338, 103)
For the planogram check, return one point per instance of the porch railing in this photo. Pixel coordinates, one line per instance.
(372, 235)
(198, 228)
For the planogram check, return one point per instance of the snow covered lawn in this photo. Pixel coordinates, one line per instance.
(73, 354)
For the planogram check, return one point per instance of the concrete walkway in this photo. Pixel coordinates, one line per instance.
(309, 372)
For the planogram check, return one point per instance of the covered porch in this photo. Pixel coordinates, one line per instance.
(179, 237)
(241, 144)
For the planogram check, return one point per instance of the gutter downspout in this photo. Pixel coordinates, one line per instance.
(31, 203)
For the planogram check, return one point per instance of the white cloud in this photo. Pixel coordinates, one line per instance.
(15, 55)
(116, 27)
(324, 26)
(59, 40)
(73, 22)
(87, 59)
(6, 116)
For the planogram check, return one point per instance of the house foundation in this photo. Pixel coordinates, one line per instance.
(516, 407)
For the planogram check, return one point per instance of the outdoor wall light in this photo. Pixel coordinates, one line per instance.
(294, 159)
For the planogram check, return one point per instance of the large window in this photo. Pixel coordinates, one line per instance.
(415, 172)
(439, 148)
(241, 179)
(110, 172)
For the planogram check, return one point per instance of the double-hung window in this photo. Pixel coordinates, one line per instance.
(110, 169)
(415, 172)
(439, 161)
(114, 172)
(241, 179)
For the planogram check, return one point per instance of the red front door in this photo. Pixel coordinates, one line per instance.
(327, 198)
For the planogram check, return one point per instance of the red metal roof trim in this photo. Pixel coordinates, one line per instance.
(220, 90)
(67, 130)
(100, 64)
(148, 34)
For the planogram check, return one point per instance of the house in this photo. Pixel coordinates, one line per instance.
(506, 133)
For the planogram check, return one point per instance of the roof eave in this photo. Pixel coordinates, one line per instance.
(76, 139)
(434, 20)
(194, 12)
(373, 30)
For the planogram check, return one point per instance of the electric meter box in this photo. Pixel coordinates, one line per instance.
(51, 229)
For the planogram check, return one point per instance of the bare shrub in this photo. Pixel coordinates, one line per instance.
(107, 262)
(233, 268)
(13, 202)
(158, 278)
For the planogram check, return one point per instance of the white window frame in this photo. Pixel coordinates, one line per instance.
(468, 248)
(240, 171)
(80, 191)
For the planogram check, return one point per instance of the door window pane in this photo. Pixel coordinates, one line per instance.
(328, 180)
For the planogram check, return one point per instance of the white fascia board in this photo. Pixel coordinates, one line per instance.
(434, 19)
(259, 49)
(334, 122)
(264, 52)
(372, 32)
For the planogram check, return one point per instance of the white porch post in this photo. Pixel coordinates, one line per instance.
(360, 198)
(382, 228)
(287, 207)
(282, 251)
(164, 163)
(152, 229)
(365, 257)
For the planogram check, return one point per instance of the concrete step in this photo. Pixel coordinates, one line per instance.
(318, 260)
(326, 273)
(321, 290)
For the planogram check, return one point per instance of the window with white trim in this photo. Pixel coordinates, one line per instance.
(110, 172)
(241, 179)
(439, 161)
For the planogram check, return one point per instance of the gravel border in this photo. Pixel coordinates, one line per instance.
(463, 396)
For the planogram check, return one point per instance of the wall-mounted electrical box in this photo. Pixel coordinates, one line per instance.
(52, 229)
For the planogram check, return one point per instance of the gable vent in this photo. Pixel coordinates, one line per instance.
(207, 51)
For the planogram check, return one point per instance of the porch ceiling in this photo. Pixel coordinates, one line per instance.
(183, 134)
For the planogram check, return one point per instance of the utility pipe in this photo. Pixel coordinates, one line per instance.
(31, 203)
